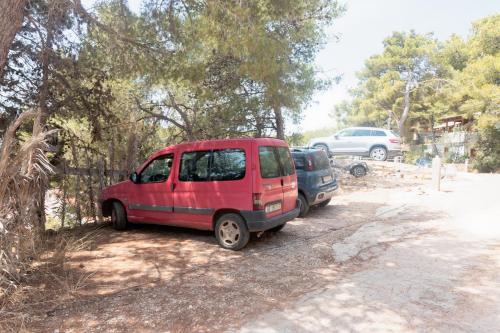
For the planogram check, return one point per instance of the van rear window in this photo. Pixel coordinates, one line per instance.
(269, 164)
(286, 161)
(275, 162)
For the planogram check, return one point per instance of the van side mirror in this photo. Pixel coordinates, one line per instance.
(336, 136)
(134, 177)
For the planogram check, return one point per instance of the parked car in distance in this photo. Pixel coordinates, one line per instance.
(315, 177)
(377, 143)
(356, 168)
(233, 187)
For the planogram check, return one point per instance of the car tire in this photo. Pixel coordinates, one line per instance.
(118, 216)
(323, 147)
(304, 205)
(358, 171)
(324, 203)
(378, 153)
(278, 228)
(231, 232)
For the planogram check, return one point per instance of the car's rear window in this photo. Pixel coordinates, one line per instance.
(320, 160)
(299, 161)
(378, 133)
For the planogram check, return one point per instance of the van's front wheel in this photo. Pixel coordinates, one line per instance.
(231, 232)
(118, 216)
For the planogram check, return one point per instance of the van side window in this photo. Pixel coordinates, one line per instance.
(157, 170)
(228, 164)
(269, 164)
(195, 166)
(286, 161)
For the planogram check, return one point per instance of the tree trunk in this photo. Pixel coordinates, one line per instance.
(41, 119)
(406, 110)
(280, 125)
(74, 153)
(90, 189)
(64, 184)
(11, 19)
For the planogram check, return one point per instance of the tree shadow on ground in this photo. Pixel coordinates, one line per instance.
(152, 278)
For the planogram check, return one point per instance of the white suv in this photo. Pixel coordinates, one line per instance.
(377, 143)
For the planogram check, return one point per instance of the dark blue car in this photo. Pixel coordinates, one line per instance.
(315, 177)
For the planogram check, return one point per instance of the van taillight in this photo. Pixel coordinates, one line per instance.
(257, 201)
(394, 140)
(309, 164)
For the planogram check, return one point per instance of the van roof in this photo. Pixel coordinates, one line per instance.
(206, 144)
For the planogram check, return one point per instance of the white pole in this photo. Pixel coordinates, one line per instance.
(436, 173)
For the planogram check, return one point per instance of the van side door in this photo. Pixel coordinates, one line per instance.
(151, 198)
(288, 179)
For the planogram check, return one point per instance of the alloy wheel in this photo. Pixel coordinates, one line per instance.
(378, 154)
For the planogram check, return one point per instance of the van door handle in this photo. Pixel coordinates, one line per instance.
(172, 186)
(281, 181)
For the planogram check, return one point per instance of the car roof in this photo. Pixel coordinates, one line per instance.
(296, 151)
(368, 128)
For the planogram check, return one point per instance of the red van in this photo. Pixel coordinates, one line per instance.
(233, 187)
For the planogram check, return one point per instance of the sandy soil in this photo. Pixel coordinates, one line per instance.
(388, 254)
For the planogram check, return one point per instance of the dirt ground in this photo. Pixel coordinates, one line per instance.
(387, 254)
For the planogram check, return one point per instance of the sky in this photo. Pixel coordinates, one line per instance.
(359, 32)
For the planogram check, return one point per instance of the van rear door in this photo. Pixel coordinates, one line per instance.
(288, 179)
(268, 192)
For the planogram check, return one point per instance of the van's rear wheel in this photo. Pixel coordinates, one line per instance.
(231, 232)
(304, 205)
(118, 216)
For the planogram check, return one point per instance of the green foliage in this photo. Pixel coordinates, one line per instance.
(457, 77)
(408, 65)
(301, 139)
(488, 147)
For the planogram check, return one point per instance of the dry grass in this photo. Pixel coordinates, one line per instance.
(47, 282)
(24, 169)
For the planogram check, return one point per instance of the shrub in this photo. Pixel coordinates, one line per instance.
(488, 146)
